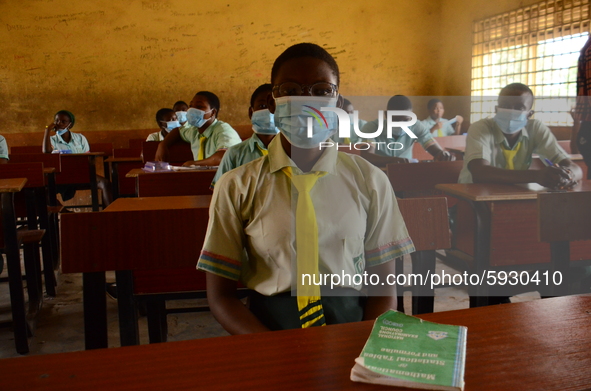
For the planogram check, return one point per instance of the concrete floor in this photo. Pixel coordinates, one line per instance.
(60, 322)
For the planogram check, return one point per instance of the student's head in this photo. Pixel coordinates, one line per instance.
(516, 96)
(258, 99)
(400, 103)
(209, 105)
(64, 119)
(348, 106)
(435, 108)
(163, 116)
(181, 105)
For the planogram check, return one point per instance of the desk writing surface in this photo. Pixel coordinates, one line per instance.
(112, 159)
(502, 192)
(159, 203)
(536, 345)
(12, 185)
(138, 171)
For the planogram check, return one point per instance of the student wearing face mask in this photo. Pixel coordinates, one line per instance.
(208, 136)
(263, 126)
(500, 149)
(167, 121)
(180, 108)
(348, 107)
(301, 209)
(398, 149)
(65, 141)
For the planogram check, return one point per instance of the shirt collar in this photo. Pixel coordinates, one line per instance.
(61, 140)
(207, 132)
(253, 141)
(279, 159)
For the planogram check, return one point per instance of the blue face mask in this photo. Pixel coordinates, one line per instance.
(182, 116)
(61, 132)
(170, 125)
(195, 117)
(510, 121)
(263, 122)
(293, 115)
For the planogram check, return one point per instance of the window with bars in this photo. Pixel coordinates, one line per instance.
(537, 45)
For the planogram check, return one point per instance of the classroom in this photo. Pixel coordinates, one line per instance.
(131, 233)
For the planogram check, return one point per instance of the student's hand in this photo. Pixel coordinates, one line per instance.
(438, 125)
(51, 127)
(399, 160)
(556, 178)
(445, 156)
(190, 163)
(459, 119)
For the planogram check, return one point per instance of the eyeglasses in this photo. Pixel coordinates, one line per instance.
(294, 89)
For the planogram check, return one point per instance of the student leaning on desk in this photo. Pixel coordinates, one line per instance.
(500, 149)
(208, 136)
(345, 220)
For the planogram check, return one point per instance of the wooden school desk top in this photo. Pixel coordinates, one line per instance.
(138, 171)
(501, 192)
(122, 159)
(12, 185)
(159, 203)
(543, 344)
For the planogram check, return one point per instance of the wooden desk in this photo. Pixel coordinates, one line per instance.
(73, 172)
(151, 233)
(495, 207)
(124, 164)
(165, 183)
(539, 345)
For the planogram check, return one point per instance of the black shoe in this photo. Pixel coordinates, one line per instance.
(111, 289)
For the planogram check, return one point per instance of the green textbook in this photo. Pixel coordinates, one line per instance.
(410, 352)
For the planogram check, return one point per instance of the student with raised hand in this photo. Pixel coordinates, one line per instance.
(383, 151)
(263, 126)
(180, 108)
(167, 121)
(500, 149)
(437, 125)
(345, 219)
(208, 136)
(65, 141)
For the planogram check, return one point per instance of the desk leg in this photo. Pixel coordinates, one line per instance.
(479, 294)
(423, 263)
(128, 318)
(15, 281)
(93, 184)
(560, 258)
(95, 311)
(115, 179)
(46, 243)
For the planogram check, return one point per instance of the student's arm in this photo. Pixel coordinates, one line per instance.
(171, 138)
(381, 298)
(458, 125)
(550, 176)
(213, 160)
(439, 154)
(227, 309)
(46, 146)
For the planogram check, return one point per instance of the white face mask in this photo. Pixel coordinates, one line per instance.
(263, 122)
(182, 116)
(170, 125)
(294, 113)
(510, 121)
(61, 132)
(195, 117)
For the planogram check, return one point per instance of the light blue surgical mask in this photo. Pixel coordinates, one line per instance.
(263, 122)
(195, 117)
(292, 114)
(182, 116)
(61, 132)
(170, 125)
(510, 121)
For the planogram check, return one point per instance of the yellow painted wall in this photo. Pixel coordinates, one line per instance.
(115, 63)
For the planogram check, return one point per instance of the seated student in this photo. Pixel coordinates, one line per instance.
(263, 125)
(437, 125)
(180, 108)
(348, 107)
(3, 150)
(167, 121)
(208, 136)
(64, 141)
(500, 149)
(380, 154)
(348, 221)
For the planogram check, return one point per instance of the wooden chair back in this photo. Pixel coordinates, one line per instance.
(161, 184)
(25, 149)
(48, 159)
(178, 153)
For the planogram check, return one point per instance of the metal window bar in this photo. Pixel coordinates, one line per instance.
(527, 45)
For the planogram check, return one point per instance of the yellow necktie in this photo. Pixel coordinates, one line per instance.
(347, 140)
(510, 155)
(439, 133)
(309, 305)
(201, 154)
(263, 151)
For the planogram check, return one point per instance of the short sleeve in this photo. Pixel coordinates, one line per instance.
(478, 143)
(386, 237)
(3, 148)
(84, 144)
(546, 144)
(423, 135)
(186, 133)
(224, 241)
(153, 137)
(226, 137)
